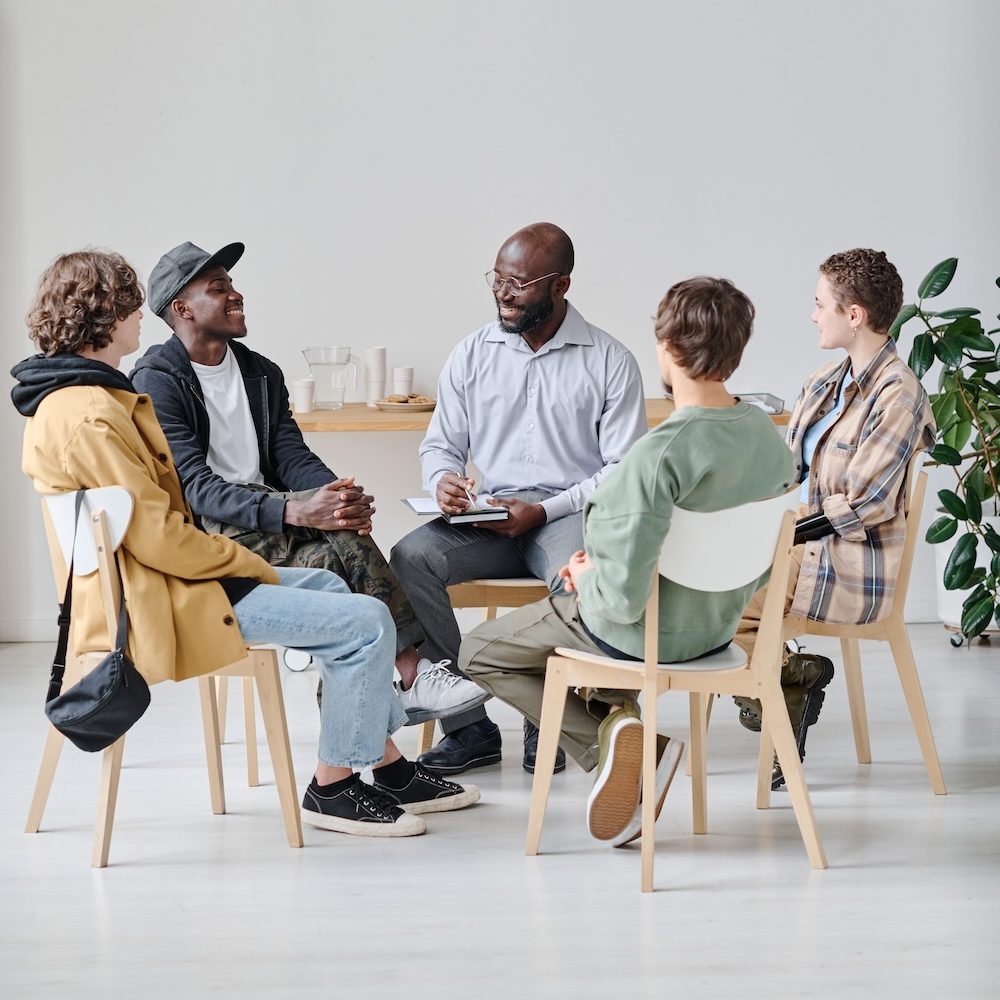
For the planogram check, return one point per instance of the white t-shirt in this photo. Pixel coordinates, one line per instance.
(232, 440)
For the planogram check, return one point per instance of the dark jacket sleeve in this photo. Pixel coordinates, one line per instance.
(209, 495)
(293, 462)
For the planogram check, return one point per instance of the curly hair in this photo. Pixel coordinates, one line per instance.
(706, 323)
(866, 278)
(80, 298)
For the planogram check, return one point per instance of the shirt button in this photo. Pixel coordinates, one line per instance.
(531, 427)
(141, 400)
(228, 620)
(531, 392)
(162, 457)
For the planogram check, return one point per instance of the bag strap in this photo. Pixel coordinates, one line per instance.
(65, 611)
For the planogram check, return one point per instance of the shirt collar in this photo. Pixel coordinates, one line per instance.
(866, 378)
(572, 330)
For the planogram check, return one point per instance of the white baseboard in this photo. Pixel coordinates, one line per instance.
(40, 629)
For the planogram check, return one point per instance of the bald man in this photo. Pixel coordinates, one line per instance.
(544, 404)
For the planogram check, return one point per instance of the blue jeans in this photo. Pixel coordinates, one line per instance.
(352, 639)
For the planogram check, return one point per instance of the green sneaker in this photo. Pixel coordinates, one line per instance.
(615, 795)
(801, 673)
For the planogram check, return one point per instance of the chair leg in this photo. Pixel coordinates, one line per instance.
(648, 847)
(425, 738)
(698, 761)
(111, 767)
(213, 753)
(765, 762)
(856, 698)
(43, 783)
(250, 728)
(708, 715)
(906, 667)
(779, 727)
(553, 706)
(490, 614)
(222, 701)
(272, 708)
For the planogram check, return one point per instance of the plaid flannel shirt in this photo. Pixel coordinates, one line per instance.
(857, 479)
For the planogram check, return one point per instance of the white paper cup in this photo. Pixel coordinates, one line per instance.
(402, 379)
(303, 394)
(375, 363)
(375, 390)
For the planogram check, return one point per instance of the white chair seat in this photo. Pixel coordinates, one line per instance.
(731, 658)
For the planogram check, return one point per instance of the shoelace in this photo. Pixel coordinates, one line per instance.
(373, 798)
(433, 779)
(441, 673)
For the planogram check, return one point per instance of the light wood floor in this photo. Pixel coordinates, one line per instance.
(199, 905)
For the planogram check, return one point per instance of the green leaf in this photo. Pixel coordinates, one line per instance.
(938, 278)
(944, 455)
(949, 351)
(941, 530)
(905, 314)
(976, 615)
(943, 407)
(958, 311)
(922, 354)
(992, 538)
(958, 435)
(961, 563)
(995, 566)
(953, 504)
(973, 505)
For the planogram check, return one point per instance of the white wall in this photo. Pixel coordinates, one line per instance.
(373, 157)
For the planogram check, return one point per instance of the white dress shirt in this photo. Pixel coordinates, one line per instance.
(554, 420)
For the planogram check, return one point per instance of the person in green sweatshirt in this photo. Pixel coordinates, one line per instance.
(714, 452)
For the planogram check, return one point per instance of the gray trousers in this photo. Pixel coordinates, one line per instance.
(427, 561)
(508, 656)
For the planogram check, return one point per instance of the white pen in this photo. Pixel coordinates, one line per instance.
(472, 499)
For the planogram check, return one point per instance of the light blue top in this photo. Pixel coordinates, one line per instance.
(555, 420)
(815, 431)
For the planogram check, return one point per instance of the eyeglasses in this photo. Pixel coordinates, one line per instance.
(514, 286)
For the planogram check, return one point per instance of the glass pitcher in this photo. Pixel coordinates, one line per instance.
(335, 370)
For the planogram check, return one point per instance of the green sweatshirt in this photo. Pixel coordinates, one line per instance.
(701, 459)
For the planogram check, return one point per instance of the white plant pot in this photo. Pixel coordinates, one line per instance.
(949, 602)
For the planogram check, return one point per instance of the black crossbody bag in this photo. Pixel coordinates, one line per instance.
(109, 699)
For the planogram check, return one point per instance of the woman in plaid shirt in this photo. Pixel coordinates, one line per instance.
(854, 428)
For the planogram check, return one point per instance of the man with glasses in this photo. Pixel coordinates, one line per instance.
(544, 404)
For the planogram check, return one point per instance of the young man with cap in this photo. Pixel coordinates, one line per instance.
(246, 470)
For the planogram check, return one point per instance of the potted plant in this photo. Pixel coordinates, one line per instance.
(967, 410)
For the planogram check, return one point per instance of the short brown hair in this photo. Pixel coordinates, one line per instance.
(868, 279)
(706, 323)
(80, 298)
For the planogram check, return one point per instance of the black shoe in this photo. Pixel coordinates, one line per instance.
(804, 704)
(531, 750)
(359, 809)
(474, 745)
(426, 793)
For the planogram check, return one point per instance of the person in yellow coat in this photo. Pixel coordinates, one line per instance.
(195, 600)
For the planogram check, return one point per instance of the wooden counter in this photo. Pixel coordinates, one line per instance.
(358, 417)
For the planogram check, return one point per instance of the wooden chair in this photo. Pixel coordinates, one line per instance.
(710, 552)
(103, 521)
(489, 595)
(891, 629)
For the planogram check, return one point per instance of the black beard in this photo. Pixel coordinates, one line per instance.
(532, 317)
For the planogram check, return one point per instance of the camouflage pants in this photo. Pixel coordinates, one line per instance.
(355, 558)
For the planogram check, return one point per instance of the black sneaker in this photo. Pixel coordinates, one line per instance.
(804, 701)
(427, 793)
(359, 809)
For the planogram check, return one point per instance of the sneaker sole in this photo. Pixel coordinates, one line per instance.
(668, 765)
(485, 761)
(414, 716)
(405, 826)
(611, 805)
(446, 804)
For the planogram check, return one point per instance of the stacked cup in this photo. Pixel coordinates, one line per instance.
(375, 370)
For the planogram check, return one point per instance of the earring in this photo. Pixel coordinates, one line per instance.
(854, 331)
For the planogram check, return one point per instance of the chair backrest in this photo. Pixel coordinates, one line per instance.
(117, 504)
(915, 490)
(105, 514)
(723, 549)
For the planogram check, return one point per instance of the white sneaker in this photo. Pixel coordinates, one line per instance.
(666, 767)
(437, 693)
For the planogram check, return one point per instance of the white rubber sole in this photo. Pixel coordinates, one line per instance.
(447, 804)
(615, 795)
(666, 768)
(406, 826)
